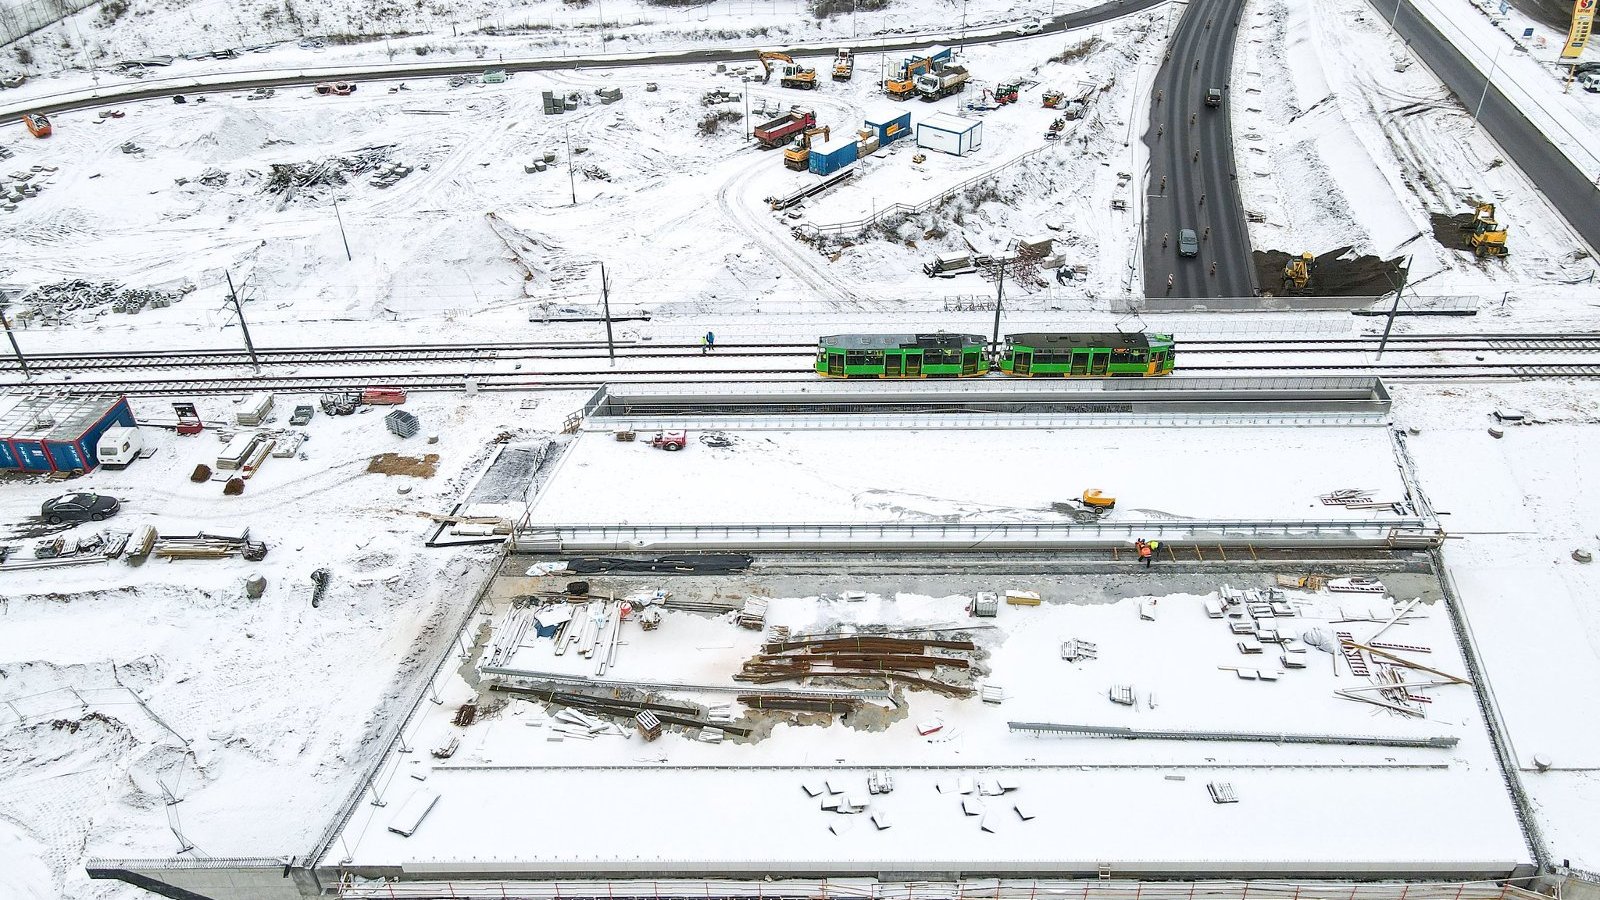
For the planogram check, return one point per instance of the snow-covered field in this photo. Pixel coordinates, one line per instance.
(139, 685)
(717, 802)
(935, 475)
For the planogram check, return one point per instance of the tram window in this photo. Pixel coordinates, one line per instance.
(874, 357)
(855, 358)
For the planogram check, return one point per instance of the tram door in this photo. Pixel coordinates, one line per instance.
(836, 364)
(1022, 362)
(914, 364)
(1080, 362)
(1098, 361)
(891, 365)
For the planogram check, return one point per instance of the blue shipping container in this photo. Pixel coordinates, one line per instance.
(31, 456)
(890, 127)
(832, 156)
(64, 456)
(89, 443)
(8, 456)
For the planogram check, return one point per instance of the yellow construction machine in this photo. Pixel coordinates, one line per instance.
(844, 65)
(791, 74)
(797, 155)
(1297, 274)
(1485, 236)
(902, 82)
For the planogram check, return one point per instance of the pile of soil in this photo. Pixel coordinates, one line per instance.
(1332, 274)
(1450, 231)
(395, 464)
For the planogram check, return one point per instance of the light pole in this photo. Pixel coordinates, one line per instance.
(1488, 79)
(340, 219)
(601, 7)
(571, 179)
(963, 26)
(1396, 15)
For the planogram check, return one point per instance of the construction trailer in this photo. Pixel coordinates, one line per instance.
(950, 134)
(832, 154)
(889, 125)
(47, 431)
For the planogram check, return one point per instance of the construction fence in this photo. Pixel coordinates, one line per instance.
(20, 18)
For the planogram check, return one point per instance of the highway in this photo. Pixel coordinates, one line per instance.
(133, 91)
(1572, 192)
(1191, 177)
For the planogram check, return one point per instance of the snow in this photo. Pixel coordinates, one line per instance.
(921, 475)
(695, 799)
(1517, 507)
(256, 714)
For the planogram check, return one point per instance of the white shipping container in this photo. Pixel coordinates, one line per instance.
(950, 134)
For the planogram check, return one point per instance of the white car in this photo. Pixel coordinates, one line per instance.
(1032, 26)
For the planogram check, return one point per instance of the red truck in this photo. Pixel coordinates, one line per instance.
(778, 132)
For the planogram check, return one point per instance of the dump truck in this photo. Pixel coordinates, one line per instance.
(777, 132)
(937, 85)
(844, 65)
(791, 74)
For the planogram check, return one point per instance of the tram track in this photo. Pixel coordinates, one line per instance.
(515, 352)
(459, 381)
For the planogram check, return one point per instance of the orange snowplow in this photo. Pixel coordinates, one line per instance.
(38, 124)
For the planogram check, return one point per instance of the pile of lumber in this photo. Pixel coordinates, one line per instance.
(915, 662)
(209, 545)
(621, 708)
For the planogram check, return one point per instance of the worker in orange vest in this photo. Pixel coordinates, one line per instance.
(1144, 551)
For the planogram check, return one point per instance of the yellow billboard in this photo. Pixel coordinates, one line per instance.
(1578, 36)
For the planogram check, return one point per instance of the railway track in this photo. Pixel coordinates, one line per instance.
(457, 381)
(211, 358)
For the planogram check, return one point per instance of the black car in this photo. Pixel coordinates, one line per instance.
(79, 508)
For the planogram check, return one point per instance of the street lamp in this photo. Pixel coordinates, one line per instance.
(1488, 79)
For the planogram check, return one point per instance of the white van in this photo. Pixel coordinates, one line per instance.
(119, 446)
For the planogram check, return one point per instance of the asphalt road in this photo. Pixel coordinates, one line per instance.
(1570, 190)
(1189, 191)
(244, 81)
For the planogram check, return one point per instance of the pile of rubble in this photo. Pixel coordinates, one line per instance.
(292, 179)
(20, 186)
(53, 301)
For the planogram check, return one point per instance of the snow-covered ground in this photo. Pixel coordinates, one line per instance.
(1517, 508)
(719, 802)
(140, 684)
(940, 475)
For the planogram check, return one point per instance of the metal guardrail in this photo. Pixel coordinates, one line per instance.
(981, 421)
(1406, 532)
(973, 889)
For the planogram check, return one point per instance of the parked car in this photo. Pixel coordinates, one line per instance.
(1188, 242)
(80, 507)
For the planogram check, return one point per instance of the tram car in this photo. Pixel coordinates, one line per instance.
(1032, 355)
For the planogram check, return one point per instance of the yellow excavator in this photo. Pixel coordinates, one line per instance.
(791, 74)
(1485, 236)
(1297, 274)
(797, 155)
(902, 82)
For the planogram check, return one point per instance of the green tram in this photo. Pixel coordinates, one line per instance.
(939, 355)
(1034, 355)
(1060, 355)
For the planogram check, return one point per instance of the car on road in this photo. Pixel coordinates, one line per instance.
(1032, 26)
(1188, 242)
(79, 507)
(1214, 97)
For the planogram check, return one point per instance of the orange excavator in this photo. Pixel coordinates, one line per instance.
(791, 74)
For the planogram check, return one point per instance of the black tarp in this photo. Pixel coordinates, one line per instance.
(687, 564)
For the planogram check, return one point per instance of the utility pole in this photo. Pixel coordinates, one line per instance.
(1393, 310)
(1486, 82)
(571, 179)
(340, 219)
(999, 301)
(22, 361)
(746, 86)
(239, 308)
(602, 9)
(605, 301)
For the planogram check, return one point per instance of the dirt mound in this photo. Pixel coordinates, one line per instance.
(1450, 231)
(1336, 273)
(395, 464)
